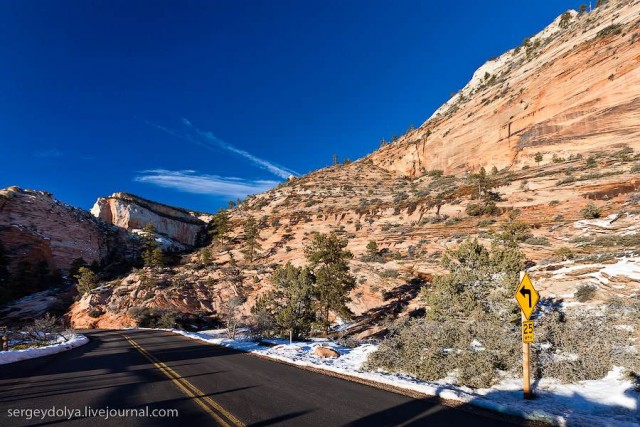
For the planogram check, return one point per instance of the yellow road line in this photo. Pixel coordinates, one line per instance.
(189, 389)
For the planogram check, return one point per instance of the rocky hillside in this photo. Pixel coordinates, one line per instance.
(556, 125)
(40, 237)
(573, 88)
(35, 227)
(134, 213)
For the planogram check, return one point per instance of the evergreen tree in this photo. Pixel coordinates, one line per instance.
(87, 280)
(74, 269)
(291, 303)
(328, 260)
(219, 226)
(154, 257)
(205, 257)
(251, 239)
(538, 157)
(372, 248)
(482, 182)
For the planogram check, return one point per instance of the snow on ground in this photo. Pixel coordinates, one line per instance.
(610, 401)
(11, 356)
(626, 266)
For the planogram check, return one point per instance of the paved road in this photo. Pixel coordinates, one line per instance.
(207, 385)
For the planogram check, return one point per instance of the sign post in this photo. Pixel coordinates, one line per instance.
(527, 298)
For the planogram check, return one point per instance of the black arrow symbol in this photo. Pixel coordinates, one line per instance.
(526, 292)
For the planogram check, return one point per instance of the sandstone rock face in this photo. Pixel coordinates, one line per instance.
(131, 212)
(571, 90)
(35, 227)
(326, 352)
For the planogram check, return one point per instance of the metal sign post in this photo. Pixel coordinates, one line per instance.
(527, 298)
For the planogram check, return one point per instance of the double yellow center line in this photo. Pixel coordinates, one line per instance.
(217, 412)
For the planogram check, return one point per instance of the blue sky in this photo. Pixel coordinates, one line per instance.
(194, 103)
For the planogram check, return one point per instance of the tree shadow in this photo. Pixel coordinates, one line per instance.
(397, 299)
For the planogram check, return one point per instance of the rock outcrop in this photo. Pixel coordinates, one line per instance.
(132, 212)
(573, 88)
(34, 227)
(326, 352)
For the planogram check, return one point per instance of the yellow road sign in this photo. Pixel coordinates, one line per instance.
(527, 331)
(527, 296)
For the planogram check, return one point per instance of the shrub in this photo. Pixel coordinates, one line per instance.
(585, 293)
(611, 30)
(477, 209)
(515, 231)
(565, 20)
(635, 168)
(537, 241)
(564, 253)
(469, 326)
(389, 274)
(579, 345)
(474, 209)
(591, 211)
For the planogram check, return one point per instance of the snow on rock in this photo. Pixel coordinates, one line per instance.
(31, 353)
(604, 223)
(627, 266)
(610, 401)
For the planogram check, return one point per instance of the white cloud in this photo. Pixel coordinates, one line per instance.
(189, 182)
(210, 141)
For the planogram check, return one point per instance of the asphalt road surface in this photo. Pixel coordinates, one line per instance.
(154, 373)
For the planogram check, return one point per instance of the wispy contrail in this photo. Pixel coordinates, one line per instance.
(210, 141)
(190, 182)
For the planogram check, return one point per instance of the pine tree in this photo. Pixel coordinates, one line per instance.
(219, 226)
(251, 239)
(328, 260)
(87, 280)
(538, 158)
(75, 266)
(372, 248)
(205, 257)
(290, 304)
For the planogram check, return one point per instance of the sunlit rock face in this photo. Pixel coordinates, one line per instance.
(131, 212)
(569, 90)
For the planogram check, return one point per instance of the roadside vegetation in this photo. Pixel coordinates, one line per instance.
(471, 329)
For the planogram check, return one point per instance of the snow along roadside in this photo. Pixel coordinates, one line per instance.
(12, 356)
(606, 402)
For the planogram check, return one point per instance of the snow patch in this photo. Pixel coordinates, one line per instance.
(30, 353)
